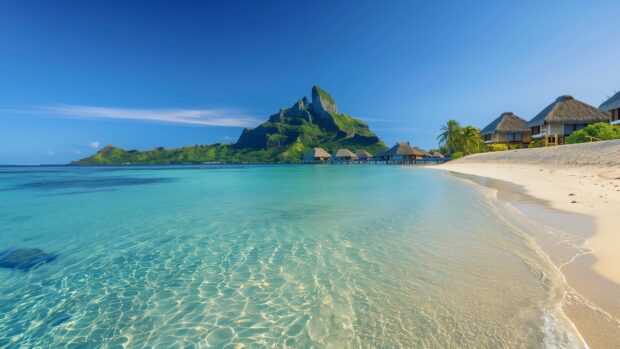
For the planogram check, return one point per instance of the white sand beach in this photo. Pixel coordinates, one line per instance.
(582, 179)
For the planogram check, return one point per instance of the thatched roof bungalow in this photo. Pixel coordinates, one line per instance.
(402, 153)
(612, 106)
(363, 155)
(508, 128)
(437, 154)
(563, 117)
(343, 156)
(418, 153)
(316, 155)
(424, 153)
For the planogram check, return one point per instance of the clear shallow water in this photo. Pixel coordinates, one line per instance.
(298, 256)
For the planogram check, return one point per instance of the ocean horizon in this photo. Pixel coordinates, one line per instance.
(282, 256)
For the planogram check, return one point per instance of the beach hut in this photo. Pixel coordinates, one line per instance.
(437, 154)
(563, 117)
(316, 156)
(343, 156)
(424, 153)
(612, 106)
(508, 128)
(427, 157)
(418, 153)
(363, 155)
(401, 153)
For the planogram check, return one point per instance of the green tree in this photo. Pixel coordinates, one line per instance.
(601, 130)
(469, 140)
(450, 135)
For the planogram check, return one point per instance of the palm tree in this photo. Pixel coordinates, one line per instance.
(449, 135)
(470, 140)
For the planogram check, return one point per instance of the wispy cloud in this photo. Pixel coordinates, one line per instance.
(94, 144)
(201, 117)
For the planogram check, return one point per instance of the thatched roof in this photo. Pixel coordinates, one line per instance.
(363, 154)
(317, 153)
(569, 110)
(419, 152)
(344, 153)
(506, 123)
(403, 149)
(437, 154)
(611, 103)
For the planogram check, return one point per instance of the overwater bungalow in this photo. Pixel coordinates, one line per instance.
(437, 154)
(428, 157)
(425, 154)
(316, 156)
(612, 106)
(363, 155)
(401, 153)
(563, 117)
(344, 156)
(508, 128)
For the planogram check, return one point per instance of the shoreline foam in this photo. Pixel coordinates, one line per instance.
(591, 275)
(560, 330)
(588, 304)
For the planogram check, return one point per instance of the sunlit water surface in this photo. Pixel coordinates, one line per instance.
(276, 256)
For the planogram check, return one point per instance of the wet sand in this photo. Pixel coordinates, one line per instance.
(574, 190)
(592, 301)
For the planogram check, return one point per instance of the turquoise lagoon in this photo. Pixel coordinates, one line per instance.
(269, 256)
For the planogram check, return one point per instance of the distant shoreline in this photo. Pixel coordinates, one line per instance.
(216, 164)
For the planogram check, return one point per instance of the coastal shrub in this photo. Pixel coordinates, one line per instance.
(601, 130)
(498, 147)
(456, 155)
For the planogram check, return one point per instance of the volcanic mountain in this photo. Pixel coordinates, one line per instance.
(282, 139)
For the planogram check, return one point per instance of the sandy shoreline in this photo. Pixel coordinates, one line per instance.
(581, 180)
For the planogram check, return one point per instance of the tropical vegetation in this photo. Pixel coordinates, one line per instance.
(449, 136)
(457, 140)
(600, 131)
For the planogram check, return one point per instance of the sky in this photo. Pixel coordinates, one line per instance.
(77, 75)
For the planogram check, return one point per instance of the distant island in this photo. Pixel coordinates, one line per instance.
(284, 138)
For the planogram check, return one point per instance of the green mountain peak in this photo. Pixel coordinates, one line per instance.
(283, 138)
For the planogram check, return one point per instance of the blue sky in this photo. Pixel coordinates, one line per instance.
(75, 76)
